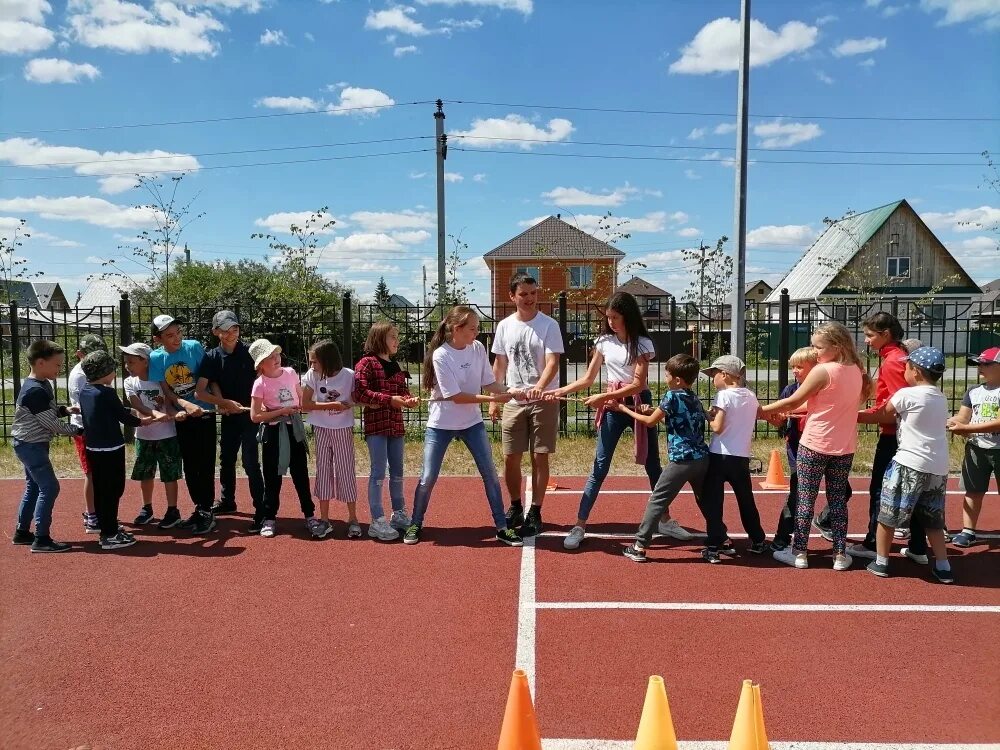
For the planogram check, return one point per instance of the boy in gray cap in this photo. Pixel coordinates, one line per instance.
(74, 384)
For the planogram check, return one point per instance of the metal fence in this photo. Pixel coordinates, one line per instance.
(773, 331)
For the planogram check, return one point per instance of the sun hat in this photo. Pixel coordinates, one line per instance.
(97, 365)
(137, 350)
(261, 349)
(727, 363)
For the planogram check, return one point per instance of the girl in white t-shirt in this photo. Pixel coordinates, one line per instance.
(326, 396)
(456, 372)
(275, 402)
(623, 350)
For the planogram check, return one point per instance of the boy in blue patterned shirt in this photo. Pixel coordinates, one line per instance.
(686, 448)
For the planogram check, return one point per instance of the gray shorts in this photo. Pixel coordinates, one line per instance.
(977, 468)
(907, 492)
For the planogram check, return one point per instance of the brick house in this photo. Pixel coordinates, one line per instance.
(561, 257)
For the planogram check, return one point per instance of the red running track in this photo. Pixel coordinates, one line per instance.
(243, 642)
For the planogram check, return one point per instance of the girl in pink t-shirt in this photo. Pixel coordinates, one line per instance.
(832, 392)
(276, 400)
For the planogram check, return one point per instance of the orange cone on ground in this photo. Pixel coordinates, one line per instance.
(520, 728)
(775, 474)
(748, 727)
(656, 728)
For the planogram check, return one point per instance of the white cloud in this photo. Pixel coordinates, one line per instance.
(890, 10)
(22, 26)
(823, 77)
(864, 46)
(962, 11)
(592, 223)
(569, 196)
(360, 102)
(364, 242)
(824, 20)
(689, 232)
(963, 219)
(65, 243)
(417, 175)
(678, 217)
(780, 134)
(691, 174)
(790, 235)
(250, 6)
(397, 19)
(93, 259)
(716, 47)
(724, 128)
(979, 243)
(275, 38)
(290, 103)
(453, 177)
(386, 221)
(129, 27)
(479, 177)
(521, 6)
(407, 50)
(869, 63)
(696, 134)
(280, 222)
(53, 70)
(116, 170)
(513, 129)
(413, 237)
(452, 24)
(872, 3)
(309, 37)
(95, 211)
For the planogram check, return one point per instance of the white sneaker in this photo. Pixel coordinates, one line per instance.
(575, 536)
(860, 550)
(921, 559)
(400, 520)
(671, 528)
(268, 529)
(789, 557)
(842, 562)
(381, 530)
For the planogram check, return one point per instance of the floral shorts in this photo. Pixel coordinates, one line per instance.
(907, 492)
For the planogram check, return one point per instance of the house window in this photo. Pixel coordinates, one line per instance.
(531, 271)
(897, 268)
(581, 277)
(653, 305)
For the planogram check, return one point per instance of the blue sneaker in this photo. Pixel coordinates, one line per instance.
(964, 539)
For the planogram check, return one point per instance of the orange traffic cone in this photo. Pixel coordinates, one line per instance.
(552, 485)
(775, 474)
(656, 728)
(748, 727)
(520, 729)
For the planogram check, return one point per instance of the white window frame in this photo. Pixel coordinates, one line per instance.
(586, 284)
(533, 271)
(889, 264)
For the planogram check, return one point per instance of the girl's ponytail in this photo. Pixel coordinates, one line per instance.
(456, 317)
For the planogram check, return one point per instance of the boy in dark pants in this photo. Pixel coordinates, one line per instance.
(229, 367)
(36, 421)
(686, 449)
(103, 415)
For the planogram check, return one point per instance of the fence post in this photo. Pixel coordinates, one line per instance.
(895, 307)
(563, 408)
(345, 313)
(125, 320)
(784, 339)
(673, 326)
(15, 347)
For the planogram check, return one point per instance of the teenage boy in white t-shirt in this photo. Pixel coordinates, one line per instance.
(527, 345)
(918, 474)
(733, 415)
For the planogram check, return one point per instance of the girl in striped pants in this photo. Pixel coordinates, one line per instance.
(326, 395)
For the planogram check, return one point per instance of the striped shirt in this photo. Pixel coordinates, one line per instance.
(36, 416)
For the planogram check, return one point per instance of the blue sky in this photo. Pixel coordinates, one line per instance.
(540, 71)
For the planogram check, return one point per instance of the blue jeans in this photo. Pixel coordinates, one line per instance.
(436, 442)
(41, 488)
(613, 425)
(383, 449)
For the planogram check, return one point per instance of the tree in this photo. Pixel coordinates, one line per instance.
(12, 266)
(153, 249)
(382, 293)
(456, 291)
(708, 291)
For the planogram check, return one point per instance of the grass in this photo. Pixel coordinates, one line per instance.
(574, 457)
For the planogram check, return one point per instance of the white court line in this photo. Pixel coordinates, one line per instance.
(702, 535)
(727, 607)
(605, 491)
(524, 657)
(556, 744)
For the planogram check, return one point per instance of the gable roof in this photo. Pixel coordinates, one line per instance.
(554, 238)
(45, 293)
(398, 300)
(642, 288)
(22, 292)
(100, 293)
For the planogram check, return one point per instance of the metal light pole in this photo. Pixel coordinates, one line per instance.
(441, 149)
(738, 335)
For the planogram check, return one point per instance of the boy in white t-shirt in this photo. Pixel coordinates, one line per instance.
(916, 478)
(155, 444)
(732, 418)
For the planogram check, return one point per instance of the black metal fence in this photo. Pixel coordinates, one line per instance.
(773, 331)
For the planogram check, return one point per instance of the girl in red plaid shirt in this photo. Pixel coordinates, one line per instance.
(380, 386)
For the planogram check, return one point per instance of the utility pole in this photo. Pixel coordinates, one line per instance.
(701, 278)
(441, 149)
(424, 269)
(737, 334)
(187, 255)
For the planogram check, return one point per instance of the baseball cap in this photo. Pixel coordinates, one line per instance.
(163, 322)
(224, 320)
(137, 350)
(988, 357)
(97, 365)
(92, 343)
(727, 363)
(928, 358)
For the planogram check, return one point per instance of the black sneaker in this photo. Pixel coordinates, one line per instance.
(882, 571)
(758, 548)
(728, 549)
(942, 576)
(824, 529)
(170, 519)
(508, 536)
(190, 522)
(23, 537)
(204, 523)
(412, 535)
(635, 553)
(47, 544)
(532, 525)
(255, 526)
(711, 554)
(222, 508)
(118, 541)
(515, 516)
(779, 544)
(145, 516)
